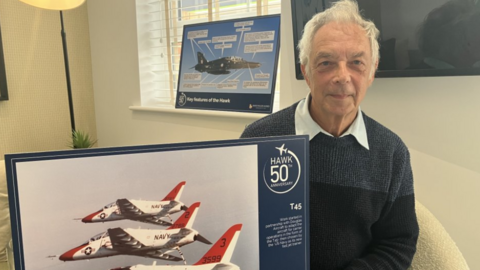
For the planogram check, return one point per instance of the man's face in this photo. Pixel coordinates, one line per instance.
(340, 71)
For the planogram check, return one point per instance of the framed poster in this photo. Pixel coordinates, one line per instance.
(229, 65)
(3, 74)
(241, 203)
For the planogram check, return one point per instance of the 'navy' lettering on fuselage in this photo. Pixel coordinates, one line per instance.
(162, 236)
(157, 206)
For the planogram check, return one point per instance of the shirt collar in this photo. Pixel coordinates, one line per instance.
(304, 124)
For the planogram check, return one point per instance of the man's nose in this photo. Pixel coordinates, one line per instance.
(343, 74)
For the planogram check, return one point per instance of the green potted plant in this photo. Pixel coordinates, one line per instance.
(81, 139)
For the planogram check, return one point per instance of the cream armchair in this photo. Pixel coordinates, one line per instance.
(435, 248)
(5, 234)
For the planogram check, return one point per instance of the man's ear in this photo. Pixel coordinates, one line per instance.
(304, 73)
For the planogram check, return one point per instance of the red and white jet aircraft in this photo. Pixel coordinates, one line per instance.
(155, 244)
(217, 258)
(139, 210)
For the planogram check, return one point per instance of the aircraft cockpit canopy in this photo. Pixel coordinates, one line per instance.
(98, 237)
(110, 205)
(236, 58)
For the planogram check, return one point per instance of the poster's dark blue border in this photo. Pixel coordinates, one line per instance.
(297, 144)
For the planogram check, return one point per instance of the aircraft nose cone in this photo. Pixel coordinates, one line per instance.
(68, 256)
(89, 218)
(65, 257)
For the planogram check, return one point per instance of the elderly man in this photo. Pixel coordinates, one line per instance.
(362, 207)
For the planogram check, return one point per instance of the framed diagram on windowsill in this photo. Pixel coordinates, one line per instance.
(229, 65)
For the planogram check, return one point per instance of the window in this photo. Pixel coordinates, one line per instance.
(159, 29)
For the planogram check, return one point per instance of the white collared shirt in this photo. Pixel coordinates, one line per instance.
(304, 124)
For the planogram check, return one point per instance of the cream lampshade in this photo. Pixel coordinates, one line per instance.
(54, 4)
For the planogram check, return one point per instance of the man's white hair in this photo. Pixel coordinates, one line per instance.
(343, 11)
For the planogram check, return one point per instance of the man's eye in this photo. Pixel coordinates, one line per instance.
(324, 64)
(357, 62)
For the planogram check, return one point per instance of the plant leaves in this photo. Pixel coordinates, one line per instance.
(81, 139)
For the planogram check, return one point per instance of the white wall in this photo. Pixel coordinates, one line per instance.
(436, 117)
(116, 83)
(36, 117)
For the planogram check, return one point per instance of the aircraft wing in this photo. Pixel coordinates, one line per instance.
(154, 220)
(159, 255)
(128, 209)
(123, 241)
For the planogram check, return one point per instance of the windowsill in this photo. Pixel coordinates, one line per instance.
(254, 116)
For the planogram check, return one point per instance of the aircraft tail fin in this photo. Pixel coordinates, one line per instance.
(201, 59)
(187, 218)
(222, 250)
(176, 192)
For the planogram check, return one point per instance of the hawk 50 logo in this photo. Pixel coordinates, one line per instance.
(182, 99)
(281, 173)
